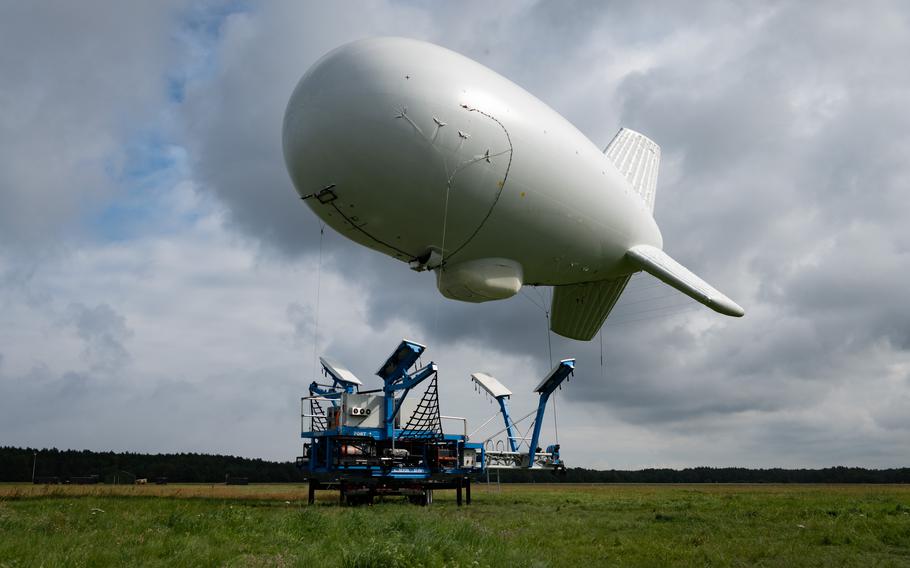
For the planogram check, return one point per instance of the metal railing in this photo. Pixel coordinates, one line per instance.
(463, 420)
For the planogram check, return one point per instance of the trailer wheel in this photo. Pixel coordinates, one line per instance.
(353, 499)
(312, 486)
(424, 499)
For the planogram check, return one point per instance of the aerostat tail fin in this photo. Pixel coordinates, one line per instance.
(579, 310)
(638, 158)
(659, 264)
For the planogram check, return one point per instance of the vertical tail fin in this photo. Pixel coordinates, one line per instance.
(638, 158)
(579, 310)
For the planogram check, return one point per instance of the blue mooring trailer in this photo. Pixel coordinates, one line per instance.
(366, 443)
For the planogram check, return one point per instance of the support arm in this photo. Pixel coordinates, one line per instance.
(498, 391)
(546, 387)
(411, 381)
(402, 382)
(329, 393)
(510, 428)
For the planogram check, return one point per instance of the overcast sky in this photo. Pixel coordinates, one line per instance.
(158, 275)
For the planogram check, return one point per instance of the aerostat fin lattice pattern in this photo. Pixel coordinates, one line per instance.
(637, 158)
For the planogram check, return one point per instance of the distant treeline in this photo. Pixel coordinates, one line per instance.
(16, 465)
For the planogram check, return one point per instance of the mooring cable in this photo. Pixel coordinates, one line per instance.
(316, 316)
(550, 350)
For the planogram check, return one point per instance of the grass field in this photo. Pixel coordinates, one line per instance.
(515, 525)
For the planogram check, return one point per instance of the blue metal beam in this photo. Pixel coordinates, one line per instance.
(510, 428)
(329, 393)
(404, 383)
(546, 387)
(410, 381)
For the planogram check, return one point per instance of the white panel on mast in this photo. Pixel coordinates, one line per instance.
(339, 372)
(491, 385)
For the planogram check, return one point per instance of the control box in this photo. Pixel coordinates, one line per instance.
(361, 410)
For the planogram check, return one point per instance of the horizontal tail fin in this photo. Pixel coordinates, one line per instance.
(636, 157)
(659, 264)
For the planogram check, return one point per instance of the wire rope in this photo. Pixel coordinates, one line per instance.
(550, 351)
(316, 309)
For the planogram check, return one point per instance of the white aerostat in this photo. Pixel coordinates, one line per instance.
(420, 153)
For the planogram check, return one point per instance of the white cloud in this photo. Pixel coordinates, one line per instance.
(75, 81)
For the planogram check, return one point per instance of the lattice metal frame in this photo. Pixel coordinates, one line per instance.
(318, 422)
(426, 422)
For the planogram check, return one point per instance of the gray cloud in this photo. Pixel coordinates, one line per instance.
(78, 410)
(75, 80)
(103, 331)
(302, 320)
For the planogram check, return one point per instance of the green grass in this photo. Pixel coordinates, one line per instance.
(622, 525)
